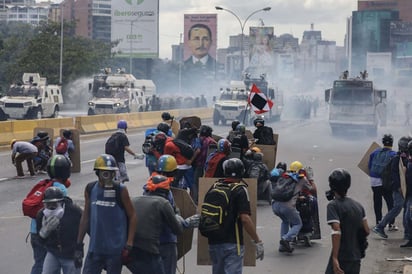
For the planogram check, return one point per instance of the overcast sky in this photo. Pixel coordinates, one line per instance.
(286, 16)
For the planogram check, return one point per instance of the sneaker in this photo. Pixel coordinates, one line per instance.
(380, 232)
(19, 177)
(392, 227)
(285, 246)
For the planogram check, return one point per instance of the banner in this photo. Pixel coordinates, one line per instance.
(258, 101)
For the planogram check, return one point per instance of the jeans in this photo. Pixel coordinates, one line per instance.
(39, 253)
(225, 258)
(168, 252)
(378, 194)
(53, 265)
(408, 216)
(95, 263)
(291, 221)
(398, 202)
(145, 263)
(28, 157)
(122, 175)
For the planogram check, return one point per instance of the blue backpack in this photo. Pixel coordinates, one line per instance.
(380, 161)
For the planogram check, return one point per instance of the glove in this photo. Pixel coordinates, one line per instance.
(260, 250)
(139, 157)
(48, 225)
(78, 255)
(126, 258)
(192, 221)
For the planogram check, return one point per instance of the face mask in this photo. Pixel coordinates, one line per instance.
(106, 177)
(58, 211)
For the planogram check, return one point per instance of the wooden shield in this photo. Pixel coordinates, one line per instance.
(187, 208)
(363, 164)
(75, 155)
(202, 245)
(194, 121)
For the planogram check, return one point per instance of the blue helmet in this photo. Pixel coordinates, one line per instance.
(122, 124)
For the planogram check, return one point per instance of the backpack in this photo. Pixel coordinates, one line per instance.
(148, 143)
(116, 187)
(386, 175)
(185, 149)
(33, 202)
(283, 189)
(62, 146)
(216, 215)
(112, 145)
(379, 161)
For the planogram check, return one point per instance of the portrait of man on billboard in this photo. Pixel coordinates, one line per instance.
(199, 41)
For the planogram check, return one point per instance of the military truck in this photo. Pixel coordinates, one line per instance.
(32, 98)
(355, 105)
(118, 93)
(232, 104)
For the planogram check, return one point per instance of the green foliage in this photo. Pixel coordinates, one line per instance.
(24, 48)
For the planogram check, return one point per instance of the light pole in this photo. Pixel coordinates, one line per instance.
(61, 45)
(131, 46)
(242, 27)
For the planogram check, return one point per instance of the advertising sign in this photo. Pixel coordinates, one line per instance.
(135, 24)
(261, 48)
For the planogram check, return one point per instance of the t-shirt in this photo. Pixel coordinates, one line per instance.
(350, 214)
(241, 205)
(123, 142)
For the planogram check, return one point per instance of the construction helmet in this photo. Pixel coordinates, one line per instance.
(205, 131)
(223, 145)
(259, 120)
(105, 162)
(403, 143)
(166, 116)
(256, 150)
(234, 124)
(59, 166)
(282, 165)
(233, 168)
(163, 127)
(12, 142)
(296, 166)
(53, 194)
(339, 180)
(166, 163)
(241, 128)
(387, 140)
(122, 124)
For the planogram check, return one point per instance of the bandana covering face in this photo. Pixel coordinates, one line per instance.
(58, 211)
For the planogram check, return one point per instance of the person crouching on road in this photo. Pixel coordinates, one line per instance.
(58, 224)
(23, 151)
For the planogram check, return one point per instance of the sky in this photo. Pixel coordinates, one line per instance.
(286, 16)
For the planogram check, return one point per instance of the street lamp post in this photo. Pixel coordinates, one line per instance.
(242, 27)
(61, 46)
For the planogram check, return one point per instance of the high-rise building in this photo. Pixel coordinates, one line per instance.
(403, 6)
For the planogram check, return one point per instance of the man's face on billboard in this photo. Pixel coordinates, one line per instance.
(199, 42)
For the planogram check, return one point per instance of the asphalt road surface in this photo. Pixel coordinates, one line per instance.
(308, 141)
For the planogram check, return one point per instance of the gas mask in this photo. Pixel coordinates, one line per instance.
(54, 209)
(106, 177)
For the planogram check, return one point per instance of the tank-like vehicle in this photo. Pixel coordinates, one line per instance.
(32, 98)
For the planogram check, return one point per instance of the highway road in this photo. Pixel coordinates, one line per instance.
(308, 141)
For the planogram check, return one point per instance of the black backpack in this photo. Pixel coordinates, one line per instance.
(386, 174)
(216, 215)
(112, 145)
(283, 189)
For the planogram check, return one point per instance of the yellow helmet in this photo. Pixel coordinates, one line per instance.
(296, 166)
(12, 142)
(256, 149)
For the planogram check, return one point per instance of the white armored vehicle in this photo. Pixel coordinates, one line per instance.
(118, 93)
(31, 99)
(232, 104)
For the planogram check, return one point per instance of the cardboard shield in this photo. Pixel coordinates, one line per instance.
(363, 164)
(249, 258)
(269, 152)
(187, 208)
(75, 155)
(194, 121)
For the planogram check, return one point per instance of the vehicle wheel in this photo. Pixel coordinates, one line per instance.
(90, 112)
(140, 109)
(216, 118)
(37, 114)
(55, 112)
(3, 117)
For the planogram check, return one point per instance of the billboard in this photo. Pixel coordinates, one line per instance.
(135, 24)
(261, 56)
(199, 52)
